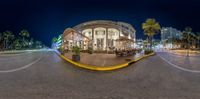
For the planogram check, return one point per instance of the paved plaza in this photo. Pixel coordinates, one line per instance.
(103, 59)
(183, 52)
(188, 62)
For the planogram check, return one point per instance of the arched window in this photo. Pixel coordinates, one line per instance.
(113, 33)
(87, 32)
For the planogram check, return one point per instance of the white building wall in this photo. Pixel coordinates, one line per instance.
(99, 33)
(113, 34)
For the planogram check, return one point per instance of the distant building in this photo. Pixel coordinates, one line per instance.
(139, 43)
(57, 44)
(168, 34)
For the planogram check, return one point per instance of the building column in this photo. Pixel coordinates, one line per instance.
(106, 39)
(120, 31)
(92, 38)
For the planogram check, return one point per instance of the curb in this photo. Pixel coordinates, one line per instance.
(104, 68)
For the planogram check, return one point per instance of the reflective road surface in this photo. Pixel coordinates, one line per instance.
(44, 75)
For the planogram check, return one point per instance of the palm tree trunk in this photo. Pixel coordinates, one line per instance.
(150, 40)
(198, 42)
(23, 42)
(4, 44)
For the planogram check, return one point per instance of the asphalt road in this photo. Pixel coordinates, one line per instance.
(50, 77)
(191, 62)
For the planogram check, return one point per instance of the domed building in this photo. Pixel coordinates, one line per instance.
(99, 35)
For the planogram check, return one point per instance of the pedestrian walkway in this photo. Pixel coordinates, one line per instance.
(102, 59)
(181, 52)
(191, 63)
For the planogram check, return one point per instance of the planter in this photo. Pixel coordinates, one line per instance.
(76, 58)
(90, 52)
(148, 52)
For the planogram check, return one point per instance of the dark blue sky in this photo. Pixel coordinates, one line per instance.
(46, 19)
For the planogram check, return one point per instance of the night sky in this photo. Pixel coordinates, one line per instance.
(46, 19)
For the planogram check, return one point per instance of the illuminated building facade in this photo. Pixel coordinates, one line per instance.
(168, 34)
(99, 34)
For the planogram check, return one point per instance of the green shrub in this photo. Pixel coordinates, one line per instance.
(148, 52)
(90, 50)
(60, 49)
(76, 50)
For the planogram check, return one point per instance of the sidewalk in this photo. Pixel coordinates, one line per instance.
(182, 52)
(191, 63)
(185, 52)
(101, 59)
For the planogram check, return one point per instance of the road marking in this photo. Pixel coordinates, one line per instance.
(21, 68)
(4, 55)
(179, 67)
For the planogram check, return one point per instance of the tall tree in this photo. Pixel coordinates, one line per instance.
(198, 37)
(175, 42)
(1, 41)
(54, 40)
(193, 39)
(187, 36)
(31, 42)
(1, 36)
(17, 44)
(150, 27)
(7, 36)
(25, 34)
(38, 44)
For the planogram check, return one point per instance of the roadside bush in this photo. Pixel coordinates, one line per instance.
(90, 50)
(76, 53)
(76, 50)
(60, 49)
(148, 52)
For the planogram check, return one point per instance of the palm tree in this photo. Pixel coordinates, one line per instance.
(7, 36)
(187, 36)
(150, 27)
(25, 34)
(54, 40)
(1, 41)
(184, 40)
(38, 44)
(198, 37)
(175, 42)
(1, 36)
(31, 42)
(17, 44)
(193, 39)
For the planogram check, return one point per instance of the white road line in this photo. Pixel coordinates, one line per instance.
(4, 55)
(179, 67)
(21, 68)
